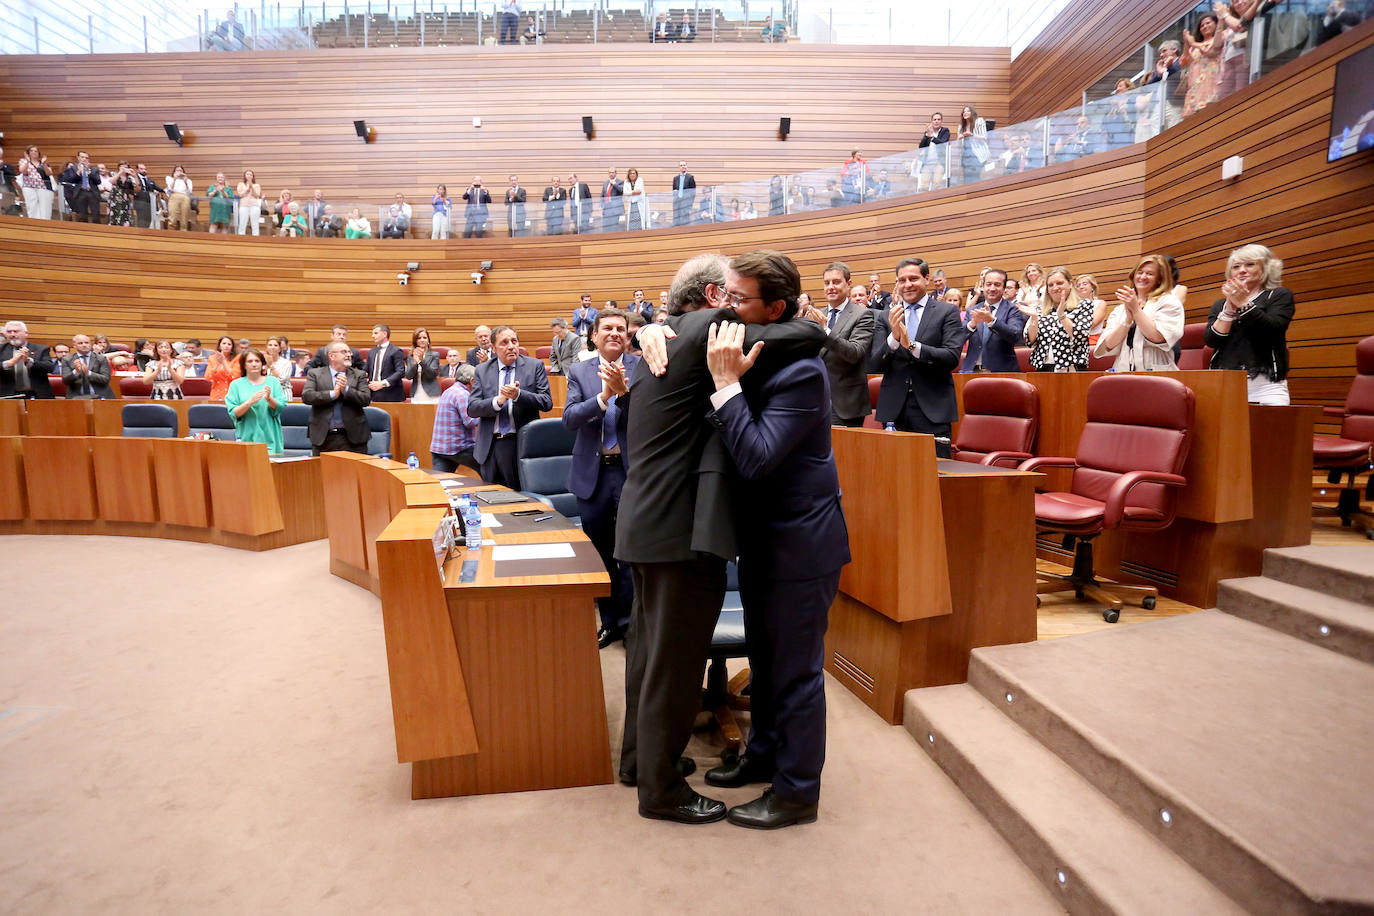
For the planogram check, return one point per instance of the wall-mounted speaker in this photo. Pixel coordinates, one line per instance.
(784, 128)
(362, 130)
(174, 133)
(588, 127)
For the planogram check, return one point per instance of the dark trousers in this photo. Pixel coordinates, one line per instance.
(682, 210)
(675, 610)
(836, 420)
(336, 440)
(553, 224)
(143, 212)
(510, 24)
(914, 420)
(86, 205)
(499, 466)
(784, 626)
(473, 227)
(598, 522)
(449, 463)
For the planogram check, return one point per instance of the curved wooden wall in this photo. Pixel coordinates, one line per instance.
(289, 115)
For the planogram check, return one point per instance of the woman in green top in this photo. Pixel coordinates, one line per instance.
(221, 204)
(254, 401)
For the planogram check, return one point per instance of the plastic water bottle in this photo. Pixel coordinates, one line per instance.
(472, 524)
(889, 427)
(412, 462)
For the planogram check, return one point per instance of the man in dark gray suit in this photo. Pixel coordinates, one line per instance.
(566, 349)
(337, 394)
(85, 372)
(849, 330)
(24, 366)
(507, 392)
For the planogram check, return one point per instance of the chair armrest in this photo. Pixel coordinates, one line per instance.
(1046, 461)
(1005, 459)
(1334, 411)
(1115, 505)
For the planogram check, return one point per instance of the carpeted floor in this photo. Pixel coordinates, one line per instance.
(188, 728)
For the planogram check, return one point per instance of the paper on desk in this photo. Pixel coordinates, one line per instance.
(490, 521)
(531, 552)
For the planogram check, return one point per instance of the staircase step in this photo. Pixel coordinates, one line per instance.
(1259, 747)
(1090, 853)
(1343, 571)
(1332, 623)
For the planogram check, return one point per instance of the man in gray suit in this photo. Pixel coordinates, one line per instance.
(337, 394)
(849, 330)
(566, 349)
(85, 372)
(507, 392)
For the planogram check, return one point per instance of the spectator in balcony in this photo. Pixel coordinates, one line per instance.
(180, 190)
(777, 196)
(704, 212)
(250, 202)
(612, 202)
(515, 207)
(1154, 114)
(396, 224)
(222, 368)
(1118, 126)
(1248, 326)
(9, 181)
(36, 179)
(931, 171)
(221, 198)
(281, 208)
(533, 35)
(293, 224)
(685, 30)
(1337, 21)
(330, 224)
(973, 131)
(254, 401)
(422, 368)
(749, 212)
(639, 201)
(122, 196)
(165, 372)
(773, 31)
(664, 29)
(852, 176)
(83, 181)
(1058, 329)
(1142, 329)
(405, 207)
(441, 223)
(314, 208)
(228, 35)
(555, 203)
(146, 195)
(1203, 63)
(478, 199)
(833, 193)
(358, 226)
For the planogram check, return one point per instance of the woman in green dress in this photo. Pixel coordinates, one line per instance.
(254, 401)
(221, 204)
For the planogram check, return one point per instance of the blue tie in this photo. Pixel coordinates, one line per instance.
(608, 437)
(85, 179)
(503, 425)
(830, 325)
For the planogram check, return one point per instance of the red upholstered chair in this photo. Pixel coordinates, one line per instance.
(443, 353)
(405, 384)
(875, 383)
(1000, 417)
(1100, 363)
(297, 386)
(445, 382)
(134, 387)
(524, 352)
(1126, 475)
(1193, 353)
(543, 352)
(1023, 363)
(195, 386)
(59, 387)
(1348, 454)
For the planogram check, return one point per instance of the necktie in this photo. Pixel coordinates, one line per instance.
(609, 441)
(830, 325)
(85, 179)
(504, 426)
(85, 375)
(377, 364)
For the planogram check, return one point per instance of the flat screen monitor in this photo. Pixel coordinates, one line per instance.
(1352, 107)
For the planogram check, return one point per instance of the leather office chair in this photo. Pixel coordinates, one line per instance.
(724, 694)
(297, 387)
(1023, 363)
(148, 421)
(543, 458)
(1126, 475)
(1000, 419)
(59, 387)
(543, 353)
(213, 419)
(135, 388)
(379, 426)
(1348, 454)
(195, 386)
(875, 384)
(295, 429)
(1193, 353)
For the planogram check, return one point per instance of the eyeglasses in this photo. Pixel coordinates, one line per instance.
(735, 301)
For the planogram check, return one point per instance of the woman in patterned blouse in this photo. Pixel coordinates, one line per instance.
(1058, 329)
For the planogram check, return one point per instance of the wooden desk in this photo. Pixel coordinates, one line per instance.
(225, 493)
(495, 683)
(944, 561)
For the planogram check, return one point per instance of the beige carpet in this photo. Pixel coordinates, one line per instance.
(188, 728)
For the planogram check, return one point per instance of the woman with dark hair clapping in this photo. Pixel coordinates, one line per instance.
(254, 401)
(222, 367)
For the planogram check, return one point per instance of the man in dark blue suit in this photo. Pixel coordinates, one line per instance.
(996, 328)
(385, 367)
(792, 544)
(598, 398)
(917, 391)
(507, 392)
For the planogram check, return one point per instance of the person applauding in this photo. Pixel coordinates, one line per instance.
(222, 368)
(254, 401)
(1248, 326)
(1142, 330)
(165, 372)
(1058, 329)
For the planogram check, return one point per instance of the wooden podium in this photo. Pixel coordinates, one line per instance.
(944, 561)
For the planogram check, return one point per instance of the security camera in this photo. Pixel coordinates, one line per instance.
(412, 266)
(476, 277)
(403, 278)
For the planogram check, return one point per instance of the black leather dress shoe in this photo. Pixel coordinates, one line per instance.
(686, 766)
(769, 812)
(690, 808)
(605, 637)
(741, 772)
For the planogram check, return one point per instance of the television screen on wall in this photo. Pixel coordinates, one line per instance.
(1352, 107)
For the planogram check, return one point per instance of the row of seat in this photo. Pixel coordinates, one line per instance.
(159, 421)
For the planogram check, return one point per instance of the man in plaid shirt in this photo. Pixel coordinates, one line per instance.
(455, 433)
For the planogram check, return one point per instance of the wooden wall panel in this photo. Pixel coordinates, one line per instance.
(1084, 42)
(289, 115)
(1318, 217)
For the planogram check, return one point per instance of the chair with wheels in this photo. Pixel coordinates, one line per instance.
(724, 694)
(1348, 455)
(148, 421)
(1126, 475)
(379, 431)
(543, 460)
(1000, 419)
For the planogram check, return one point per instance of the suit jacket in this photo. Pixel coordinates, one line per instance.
(583, 415)
(72, 177)
(471, 357)
(393, 369)
(996, 344)
(476, 205)
(846, 361)
(556, 201)
(534, 396)
(941, 136)
(676, 502)
(787, 506)
(583, 320)
(684, 182)
(446, 371)
(663, 31)
(98, 375)
(929, 378)
(38, 372)
(615, 202)
(564, 353)
(318, 393)
(314, 210)
(321, 359)
(424, 374)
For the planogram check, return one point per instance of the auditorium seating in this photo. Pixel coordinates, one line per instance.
(1348, 455)
(379, 425)
(1126, 475)
(295, 429)
(725, 694)
(148, 421)
(194, 386)
(1193, 353)
(543, 451)
(999, 421)
(213, 419)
